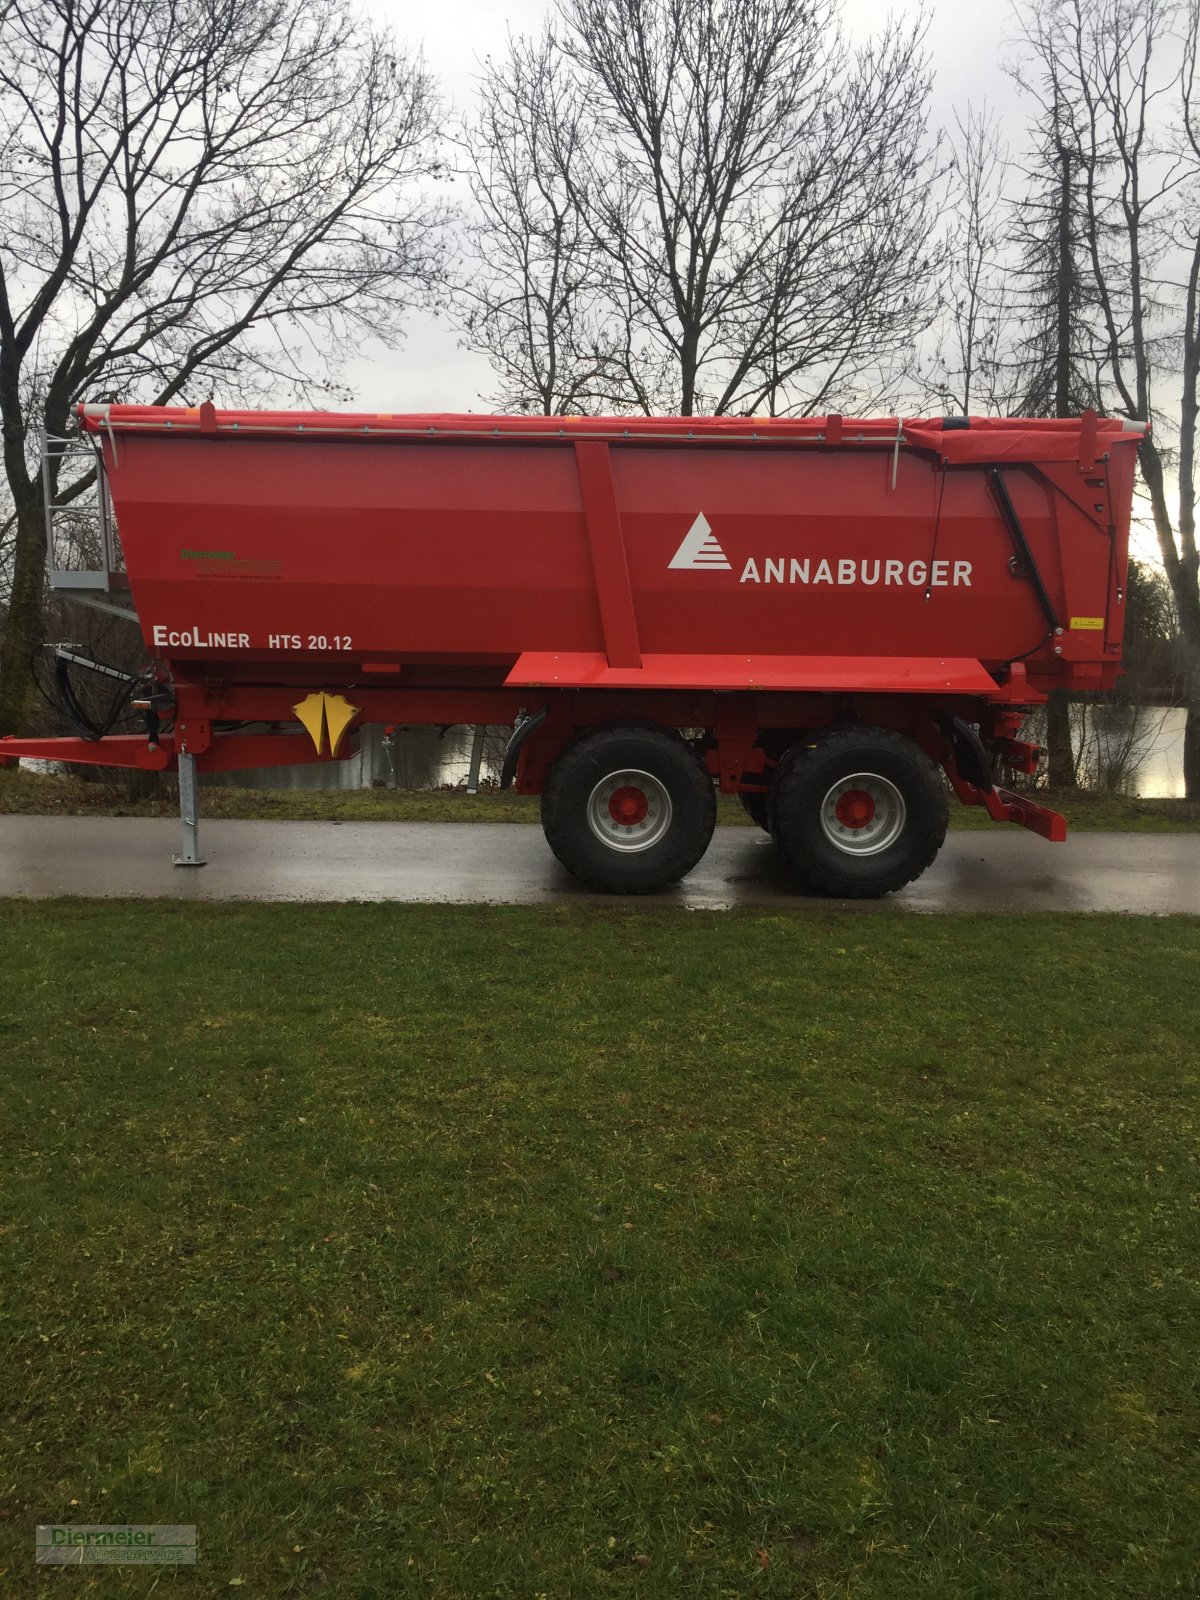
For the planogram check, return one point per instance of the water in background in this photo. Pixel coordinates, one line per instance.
(414, 758)
(1158, 771)
(1124, 749)
(420, 758)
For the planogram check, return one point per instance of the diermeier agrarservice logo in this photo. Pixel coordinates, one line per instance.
(110, 1545)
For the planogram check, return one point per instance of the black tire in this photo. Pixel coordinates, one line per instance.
(754, 804)
(871, 838)
(581, 818)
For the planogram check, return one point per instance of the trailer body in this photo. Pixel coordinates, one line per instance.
(766, 585)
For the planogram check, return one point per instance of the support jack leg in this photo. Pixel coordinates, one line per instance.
(476, 760)
(189, 814)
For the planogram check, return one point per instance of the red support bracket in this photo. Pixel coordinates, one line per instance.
(736, 730)
(602, 518)
(193, 736)
(1003, 806)
(1088, 437)
(223, 753)
(1018, 754)
(116, 750)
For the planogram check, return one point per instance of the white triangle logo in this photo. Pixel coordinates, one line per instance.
(700, 550)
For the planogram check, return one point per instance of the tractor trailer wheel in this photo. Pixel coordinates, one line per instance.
(628, 810)
(858, 812)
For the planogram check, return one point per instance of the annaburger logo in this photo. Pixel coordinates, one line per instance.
(701, 552)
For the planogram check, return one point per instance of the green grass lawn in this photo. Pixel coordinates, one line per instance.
(39, 795)
(482, 1252)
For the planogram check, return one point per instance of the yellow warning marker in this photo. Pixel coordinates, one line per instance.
(325, 716)
(339, 714)
(311, 713)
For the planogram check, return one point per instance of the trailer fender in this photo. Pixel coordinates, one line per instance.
(512, 750)
(970, 757)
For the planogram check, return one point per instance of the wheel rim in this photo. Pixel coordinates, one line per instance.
(863, 814)
(629, 810)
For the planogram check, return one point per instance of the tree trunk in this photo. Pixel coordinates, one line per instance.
(1063, 287)
(1061, 771)
(689, 360)
(24, 629)
(1181, 573)
(1191, 728)
(1191, 752)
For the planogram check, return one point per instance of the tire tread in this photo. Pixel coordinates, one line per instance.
(789, 801)
(587, 759)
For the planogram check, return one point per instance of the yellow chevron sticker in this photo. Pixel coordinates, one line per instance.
(311, 713)
(325, 716)
(1093, 624)
(339, 714)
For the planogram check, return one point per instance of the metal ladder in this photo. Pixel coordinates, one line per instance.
(83, 553)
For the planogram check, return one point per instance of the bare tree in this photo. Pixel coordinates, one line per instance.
(527, 293)
(1053, 363)
(745, 204)
(190, 190)
(1054, 357)
(1118, 81)
(970, 368)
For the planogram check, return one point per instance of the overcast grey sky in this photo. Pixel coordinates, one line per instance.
(429, 372)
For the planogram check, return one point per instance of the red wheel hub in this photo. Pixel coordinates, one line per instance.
(855, 808)
(628, 806)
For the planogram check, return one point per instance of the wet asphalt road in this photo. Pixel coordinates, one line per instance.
(510, 863)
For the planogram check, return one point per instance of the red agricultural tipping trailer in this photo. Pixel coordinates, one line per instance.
(822, 616)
